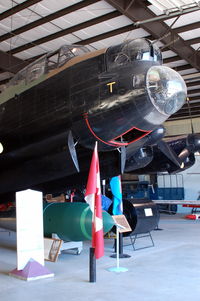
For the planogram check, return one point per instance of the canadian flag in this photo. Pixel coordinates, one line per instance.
(93, 198)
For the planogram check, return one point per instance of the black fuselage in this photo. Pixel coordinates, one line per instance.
(101, 96)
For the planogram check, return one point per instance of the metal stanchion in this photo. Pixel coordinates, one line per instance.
(117, 269)
(92, 275)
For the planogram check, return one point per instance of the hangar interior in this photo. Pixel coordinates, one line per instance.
(28, 31)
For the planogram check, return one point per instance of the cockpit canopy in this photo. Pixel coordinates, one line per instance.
(47, 63)
(132, 50)
(64, 54)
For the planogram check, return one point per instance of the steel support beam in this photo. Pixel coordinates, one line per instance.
(64, 32)
(49, 18)
(172, 59)
(17, 8)
(107, 35)
(193, 41)
(188, 27)
(194, 98)
(192, 84)
(194, 91)
(183, 67)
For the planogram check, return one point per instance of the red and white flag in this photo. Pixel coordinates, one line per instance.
(93, 198)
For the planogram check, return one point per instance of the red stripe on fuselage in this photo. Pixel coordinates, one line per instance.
(112, 142)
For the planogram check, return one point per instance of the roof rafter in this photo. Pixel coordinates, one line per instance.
(48, 18)
(192, 105)
(180, 113)
(193, 41)
(192, 84)
(183, 67)
(108, 34)
(172, 59)
(188, 27)
(194, 91)
(194, 98)
(182, 117)
(63, 32)
(15, 9)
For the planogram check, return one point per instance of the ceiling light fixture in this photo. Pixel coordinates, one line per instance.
(169, 6)
(172, 12)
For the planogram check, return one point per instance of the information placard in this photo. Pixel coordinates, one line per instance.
(148, 212)
(122, 223)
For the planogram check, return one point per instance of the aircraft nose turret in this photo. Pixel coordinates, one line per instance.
(166, 89)
(136, 95)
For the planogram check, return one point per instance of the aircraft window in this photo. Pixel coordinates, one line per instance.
(138, 81)
(52, 61)
(166, 89)
(114, 56)
(122, 58)
(69, 51)
(18, 78)
(146, 56)
(35, 71)
(157, 54)
(46, 63)
(65, 55)
(142, 49)
(132, 50)
(29, 73)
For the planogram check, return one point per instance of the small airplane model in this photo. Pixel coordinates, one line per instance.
(53, 111)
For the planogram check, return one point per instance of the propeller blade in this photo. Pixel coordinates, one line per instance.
(122, 158)
(169, 153)
(184, 154)
(188, 103)
(72, 150)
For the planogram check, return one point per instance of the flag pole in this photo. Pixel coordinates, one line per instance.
(117, 248)
(116, 189)
(92, 275)
(93, 198)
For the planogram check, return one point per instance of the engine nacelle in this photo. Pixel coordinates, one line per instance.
(140, 159)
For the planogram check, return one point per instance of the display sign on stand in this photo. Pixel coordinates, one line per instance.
(122, 226)
(122, 223)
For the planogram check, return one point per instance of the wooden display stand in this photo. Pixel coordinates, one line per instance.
(52, 248)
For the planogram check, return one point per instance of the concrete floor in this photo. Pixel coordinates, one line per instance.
(168, 271)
